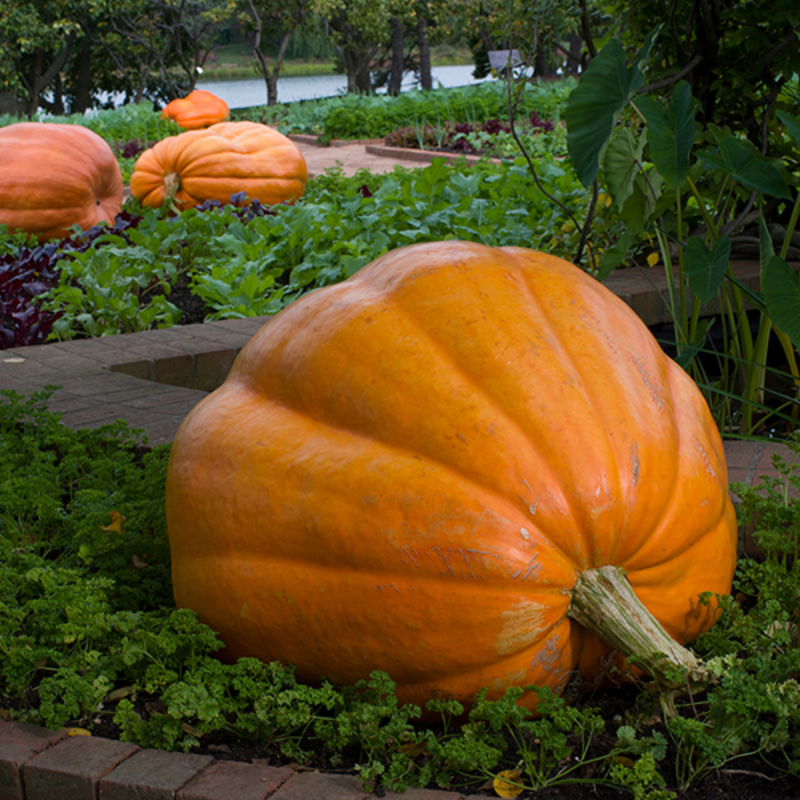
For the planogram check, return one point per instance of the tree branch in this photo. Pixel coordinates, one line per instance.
(569, 55)
(780, 47)
(586, 31)
(58, 62)
(652, 87)
(674, 29)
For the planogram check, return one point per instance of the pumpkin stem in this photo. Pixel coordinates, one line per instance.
(172, 183)
(603, 601)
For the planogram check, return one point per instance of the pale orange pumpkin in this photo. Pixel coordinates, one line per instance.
(220, 161)
(54, 176)
(419, 470)
(199, 109)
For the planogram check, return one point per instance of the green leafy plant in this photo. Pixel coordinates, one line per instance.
(248, 268)
(691, 207)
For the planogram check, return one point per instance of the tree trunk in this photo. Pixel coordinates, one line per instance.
(356, 65)
(396, 74)
(574, 59)
(541, 66)
(425, 78)
(57, 106)
(83, 85)
(363, 80)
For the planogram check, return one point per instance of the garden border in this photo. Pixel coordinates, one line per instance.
(38, 764)
(151, 380)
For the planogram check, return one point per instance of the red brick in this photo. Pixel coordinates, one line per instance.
(424, 794)
(177, 370)
(212, 367)
(227, 780)
(142, 368)
(72, 769)
(19, 743)
(740, 455)
(161, 400)
(765, 466)
(321, 786)
(152, 775)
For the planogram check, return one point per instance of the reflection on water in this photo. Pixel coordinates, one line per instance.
(253, 91)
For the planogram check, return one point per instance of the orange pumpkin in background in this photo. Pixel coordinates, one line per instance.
(421, 469)
(54, 176)
(220, 161)
(199, 109)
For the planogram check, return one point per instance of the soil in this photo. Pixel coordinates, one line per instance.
(193, 308)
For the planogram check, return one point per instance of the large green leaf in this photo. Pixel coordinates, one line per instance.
(706, 268)
(613, 256)
(782, 297)
(621, 163)
(670, 133)
(642, 204)
(743, 165)
(596, 103)
(792, 125)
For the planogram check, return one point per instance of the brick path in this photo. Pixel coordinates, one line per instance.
(151, 380)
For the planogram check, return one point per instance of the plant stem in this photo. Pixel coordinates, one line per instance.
(604, 602)
(172, 184)
(791, 227)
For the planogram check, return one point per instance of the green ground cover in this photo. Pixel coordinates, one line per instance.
(90, 637)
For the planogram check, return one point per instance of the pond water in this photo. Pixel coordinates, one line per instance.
(253, 91)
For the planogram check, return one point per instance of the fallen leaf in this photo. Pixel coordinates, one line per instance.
(77, 732)
(413, 749)
(506, 783)
(116, 523)
(118, 694)
(652, 259)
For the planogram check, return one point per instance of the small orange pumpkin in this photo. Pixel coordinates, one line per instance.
(220, 161)
(419, 470)
(54, 176)
(199, 109)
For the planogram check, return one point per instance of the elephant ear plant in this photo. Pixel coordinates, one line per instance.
(691, 190)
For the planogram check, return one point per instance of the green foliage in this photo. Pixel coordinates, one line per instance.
(606, 87)
(739, 58)
(87, 627)
(368, 117)
(132, 122)
(659, 192)
(259, 267)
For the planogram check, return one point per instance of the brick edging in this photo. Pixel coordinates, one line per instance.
(412, 154)
(39, 764)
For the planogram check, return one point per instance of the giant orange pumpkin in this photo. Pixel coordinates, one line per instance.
(199, 109)
(220, 161)
(416, 471)
(55, 176)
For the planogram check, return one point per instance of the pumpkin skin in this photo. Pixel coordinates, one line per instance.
(54, 176)
(407, 471)
(199, 109)
(219, 161)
